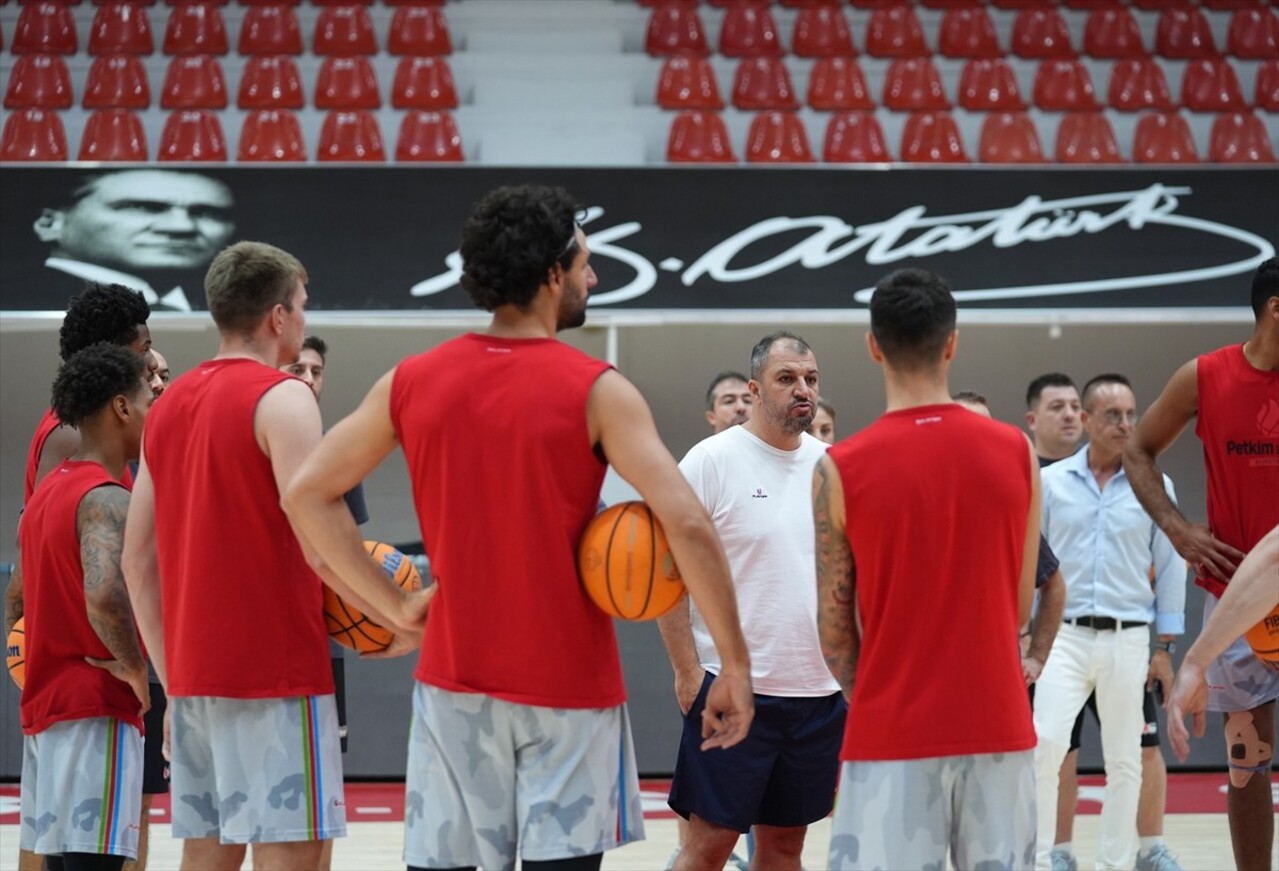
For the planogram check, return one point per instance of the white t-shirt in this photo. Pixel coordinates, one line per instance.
(760, 499)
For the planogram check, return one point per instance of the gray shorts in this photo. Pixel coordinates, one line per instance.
(1238, 680)
(488, 778)
(82, 788)
(908, 813)
(260, 771)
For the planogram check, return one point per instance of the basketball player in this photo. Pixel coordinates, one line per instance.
(728, 401)
(86, 680)
(926, 524)
(163, 374)
(823, 425)
(242, 647)
(520, 737)
(755, 481)
(1233, 395)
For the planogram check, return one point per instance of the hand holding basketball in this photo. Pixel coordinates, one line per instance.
(351, 627)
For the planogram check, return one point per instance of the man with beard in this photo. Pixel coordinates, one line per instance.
(755, 480)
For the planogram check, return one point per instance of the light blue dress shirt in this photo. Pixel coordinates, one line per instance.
(1106, 543)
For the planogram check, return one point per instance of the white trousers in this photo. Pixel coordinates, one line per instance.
(1114, 663)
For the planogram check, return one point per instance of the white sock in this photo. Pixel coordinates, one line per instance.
(1148, 844)
(1065, 847)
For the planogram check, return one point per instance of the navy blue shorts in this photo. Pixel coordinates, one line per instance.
(783, 774)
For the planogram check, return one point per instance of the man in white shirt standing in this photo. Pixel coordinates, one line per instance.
(756, 481)
(1106, 543)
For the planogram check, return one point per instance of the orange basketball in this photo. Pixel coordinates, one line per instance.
(15, 653)
(348, 625)
(626, 564)
(1264, 639)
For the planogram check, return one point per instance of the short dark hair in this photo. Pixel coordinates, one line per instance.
(970, 396)
(1265, 284)
(512, 238)
(91, 377)
(912, 313)
(102, 313)
(247, 280)
(1100, 380)
(1048, 379)
(764, 347)
(726, 375)
(318, 345)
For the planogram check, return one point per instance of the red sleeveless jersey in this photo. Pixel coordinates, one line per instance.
(60, 685)
(48, 423)
(243, 612)
(1238, 423)
(505, 480)
(937, 499)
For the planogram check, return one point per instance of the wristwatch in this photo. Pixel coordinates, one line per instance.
(1169, 646)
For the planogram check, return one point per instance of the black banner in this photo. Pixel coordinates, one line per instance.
(384, 238)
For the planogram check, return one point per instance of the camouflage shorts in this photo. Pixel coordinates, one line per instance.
(1238, 680)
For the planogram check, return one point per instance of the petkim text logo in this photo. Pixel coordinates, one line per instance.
(912, 233)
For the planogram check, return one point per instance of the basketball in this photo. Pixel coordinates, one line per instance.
(15, 653)
(626, 565)
(348, 625)
(1264, 639)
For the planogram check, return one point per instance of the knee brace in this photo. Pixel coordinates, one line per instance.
(1248, 754)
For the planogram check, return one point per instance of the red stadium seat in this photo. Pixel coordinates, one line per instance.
(419, 30)
(699, 136)
(932, 137)
(120, 28)
(687, 81)
(1210, 85)
(114, 135)
(192, 135)
(968, 32)
(1157, 5)
(195, 28)
(1112, 32)
(423, 83)
(1183, 33)
(270, 83)
(1267, 91)
(39, 81)
(33, 134)
(777, 137)
(272, 2)
(822, 31)
(1087, 5)
(442, 2)
(989, 84)
(1009, 137)
(1064, 86)
(117, 81)
(1041, 33)
(194, 82)
(351, 137)
(1239, 137)
(914, 84)
(1254, 34)
(763, 83)
(1086, 137)
(1021, 4)
(271, 135)
(270, 30)
(838, 83)
(675, 28)
(1229, 5)
(1136, 85)
(347, 83)
(44, 28)
(344, 30)
(749, 30)
(429, 136)
(343, 2)
(895, 31)
(1163, 137)
(854, 137)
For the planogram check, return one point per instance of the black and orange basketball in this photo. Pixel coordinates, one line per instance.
(15, 653)
(348, 625)
(1264, 639)
(626, 564)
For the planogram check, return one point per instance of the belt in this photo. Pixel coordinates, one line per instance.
(1106, 623)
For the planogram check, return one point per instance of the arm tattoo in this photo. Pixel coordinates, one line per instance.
(100, 521)
(836, 588)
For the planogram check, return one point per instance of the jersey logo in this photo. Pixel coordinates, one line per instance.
(1268, 419)
(923, 421)
(759, 493)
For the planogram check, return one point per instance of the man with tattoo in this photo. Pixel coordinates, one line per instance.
(755, 480)
(86, 685)
(927, 527)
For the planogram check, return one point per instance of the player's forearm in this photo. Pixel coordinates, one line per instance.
(1147, 482)
(1052, 604)
(111, 617)
(676, 627)
(707, 577)
(1250, 596)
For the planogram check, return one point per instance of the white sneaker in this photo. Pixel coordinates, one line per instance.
(1063, 861)
(1160, 858)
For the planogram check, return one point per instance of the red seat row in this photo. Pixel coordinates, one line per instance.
(196, 135)
(253, 2)
(197, 82)
(198, 28)
(1149, 5)
(821, 30)
(985, 84)
(933, 137)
